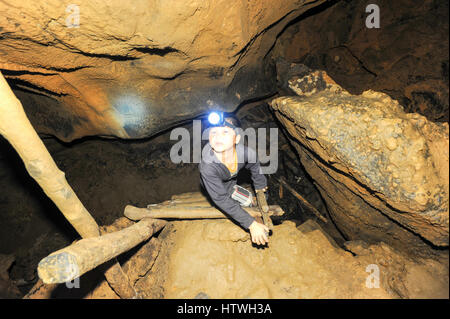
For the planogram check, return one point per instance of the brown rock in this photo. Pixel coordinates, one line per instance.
(371, 161)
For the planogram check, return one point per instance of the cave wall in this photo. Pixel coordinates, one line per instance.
(406, 58)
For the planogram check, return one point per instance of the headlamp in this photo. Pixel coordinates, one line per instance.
(216, 118)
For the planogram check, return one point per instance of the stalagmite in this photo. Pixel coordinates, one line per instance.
(17, 129)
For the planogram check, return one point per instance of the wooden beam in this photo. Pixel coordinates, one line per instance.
(189, 196)
(184, 203)
(180, 212)
(301, 199)
(17, 129)
(73, 261)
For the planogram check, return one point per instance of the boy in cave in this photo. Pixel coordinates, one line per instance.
(222, 158)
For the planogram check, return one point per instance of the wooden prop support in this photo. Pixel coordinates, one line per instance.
(189, 212)
(199, 203)
(192, 196)
(264, 209)
(17, 129)
(73, 261)
(300, 197)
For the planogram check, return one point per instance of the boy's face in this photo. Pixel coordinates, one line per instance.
(222, 138)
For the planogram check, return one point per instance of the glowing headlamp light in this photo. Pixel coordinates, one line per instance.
(218, 119)
(215, 118)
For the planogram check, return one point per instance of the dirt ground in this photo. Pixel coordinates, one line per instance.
(200, 259)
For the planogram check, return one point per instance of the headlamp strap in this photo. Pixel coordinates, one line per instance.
(225, 123)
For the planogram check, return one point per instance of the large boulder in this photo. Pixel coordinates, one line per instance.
(382, 172)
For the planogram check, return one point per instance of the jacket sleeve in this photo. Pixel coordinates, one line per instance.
(253, 165)
(218, 193)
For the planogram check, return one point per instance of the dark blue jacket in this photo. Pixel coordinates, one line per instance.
(218, 181)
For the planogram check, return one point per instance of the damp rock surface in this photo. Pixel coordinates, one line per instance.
(8, 288)
(383, 172)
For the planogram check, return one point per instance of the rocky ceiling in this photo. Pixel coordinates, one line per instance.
(129, 70)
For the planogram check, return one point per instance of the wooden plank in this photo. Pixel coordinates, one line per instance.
(180, 212)
(190, 195)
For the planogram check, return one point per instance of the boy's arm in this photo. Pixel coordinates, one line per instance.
(218, 193)
(258, 178)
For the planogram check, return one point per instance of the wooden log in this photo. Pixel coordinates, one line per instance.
(73, 261)
(179, 212)
(301, 199)
(17, 129)
(142, 261)
(115, 275)
(193, 204)
(121, 283)
(190, 195)
(180, 204)
(264, 209)
(184, 200)
(118, 281)
(118, 224)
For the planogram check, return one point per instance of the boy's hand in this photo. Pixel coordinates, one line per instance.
(259, 233)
